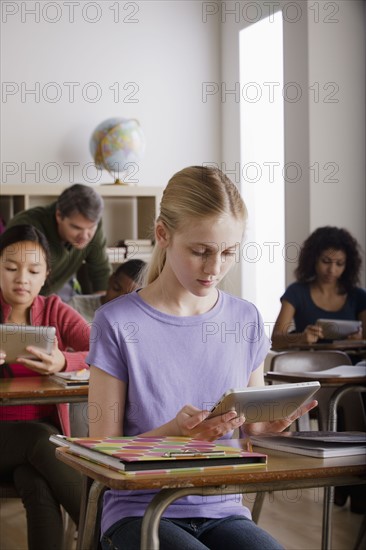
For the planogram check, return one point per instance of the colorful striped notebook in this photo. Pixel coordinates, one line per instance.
(151, 454)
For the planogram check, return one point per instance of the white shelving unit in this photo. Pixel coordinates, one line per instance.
(129, 211)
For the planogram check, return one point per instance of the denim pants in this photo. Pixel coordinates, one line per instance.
(231, 533)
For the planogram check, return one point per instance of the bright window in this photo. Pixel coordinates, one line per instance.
(262, 162)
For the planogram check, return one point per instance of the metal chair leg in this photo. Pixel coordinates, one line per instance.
(257, 507)
(361, 534)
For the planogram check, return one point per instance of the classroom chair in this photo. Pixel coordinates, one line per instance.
(305, 361)
(91, 502)
(308, 361)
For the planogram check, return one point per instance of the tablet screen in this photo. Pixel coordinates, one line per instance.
(335, 329)
(266, 403)
(14, 339)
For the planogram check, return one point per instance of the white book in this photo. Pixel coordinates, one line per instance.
(116, 255)
(317, 444)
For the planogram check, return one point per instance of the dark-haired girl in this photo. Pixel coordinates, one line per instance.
(27, 457)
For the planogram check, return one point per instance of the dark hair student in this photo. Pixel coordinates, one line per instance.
(334, 238)
(28, 458)
(326, 288)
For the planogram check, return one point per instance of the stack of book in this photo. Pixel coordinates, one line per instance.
(72, 379)
(128, 249)
(318, 444)
(142, 455)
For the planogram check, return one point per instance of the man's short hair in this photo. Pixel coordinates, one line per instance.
(80, 199)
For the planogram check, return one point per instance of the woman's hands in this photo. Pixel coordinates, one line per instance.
(191, 422)
(356, 335)
(44, 363)
(312, 334)
(257, 428)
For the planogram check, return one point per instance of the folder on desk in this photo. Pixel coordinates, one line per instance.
(73, 378)
(160, 454)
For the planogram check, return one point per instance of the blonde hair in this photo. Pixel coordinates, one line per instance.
(195, 192)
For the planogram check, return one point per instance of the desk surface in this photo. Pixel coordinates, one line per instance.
(38, 389)
(349, 345)
(282, 469)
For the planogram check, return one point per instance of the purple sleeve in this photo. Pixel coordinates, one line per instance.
(106, 347)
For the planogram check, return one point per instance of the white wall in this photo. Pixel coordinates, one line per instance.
(337, 120)
(168, 57)
(319, 48)
(161, 52)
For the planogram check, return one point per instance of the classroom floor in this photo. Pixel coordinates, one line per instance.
(293, 517)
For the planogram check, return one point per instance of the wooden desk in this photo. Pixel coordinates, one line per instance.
(341, 385)
(284, 471)
(350, 346)
(38, 390)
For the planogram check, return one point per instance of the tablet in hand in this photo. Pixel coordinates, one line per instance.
(265, 403)
(336, 329)
(15, 338)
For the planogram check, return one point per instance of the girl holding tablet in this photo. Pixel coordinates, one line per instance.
(27, 456)
(326, 288)
(162, 356)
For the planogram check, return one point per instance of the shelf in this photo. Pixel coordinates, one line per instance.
(129, 211)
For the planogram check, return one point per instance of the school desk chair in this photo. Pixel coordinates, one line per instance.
(308, 361)
(305, 361)
(90, 514)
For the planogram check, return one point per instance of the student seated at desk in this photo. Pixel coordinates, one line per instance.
(164, 354)
(27, 456)
(122, 281)
(73, 225)
(327, 275)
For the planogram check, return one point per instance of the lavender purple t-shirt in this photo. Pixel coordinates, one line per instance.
(167, 362)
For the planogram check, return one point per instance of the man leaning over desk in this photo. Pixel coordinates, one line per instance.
(73, 227)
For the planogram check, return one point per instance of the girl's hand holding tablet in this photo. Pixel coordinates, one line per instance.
(191, 422)
(44, 363)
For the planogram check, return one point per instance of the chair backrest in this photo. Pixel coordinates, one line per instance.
(307, 361)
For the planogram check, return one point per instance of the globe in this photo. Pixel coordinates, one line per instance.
(117, 144)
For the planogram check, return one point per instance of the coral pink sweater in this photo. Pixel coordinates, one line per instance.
(72, 333)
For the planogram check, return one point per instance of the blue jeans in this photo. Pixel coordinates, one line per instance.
(232, 532)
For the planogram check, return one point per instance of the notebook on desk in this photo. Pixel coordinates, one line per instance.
(133, 455)
(72, 379)
(318, 444)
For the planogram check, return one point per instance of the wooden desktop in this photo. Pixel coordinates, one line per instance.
(284, 471)
(39, 390)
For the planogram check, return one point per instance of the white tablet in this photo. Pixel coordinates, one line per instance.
(266, 403)
(15, 338)
(335, 329)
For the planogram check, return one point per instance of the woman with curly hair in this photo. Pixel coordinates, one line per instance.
(327, 276)
(326, 288)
